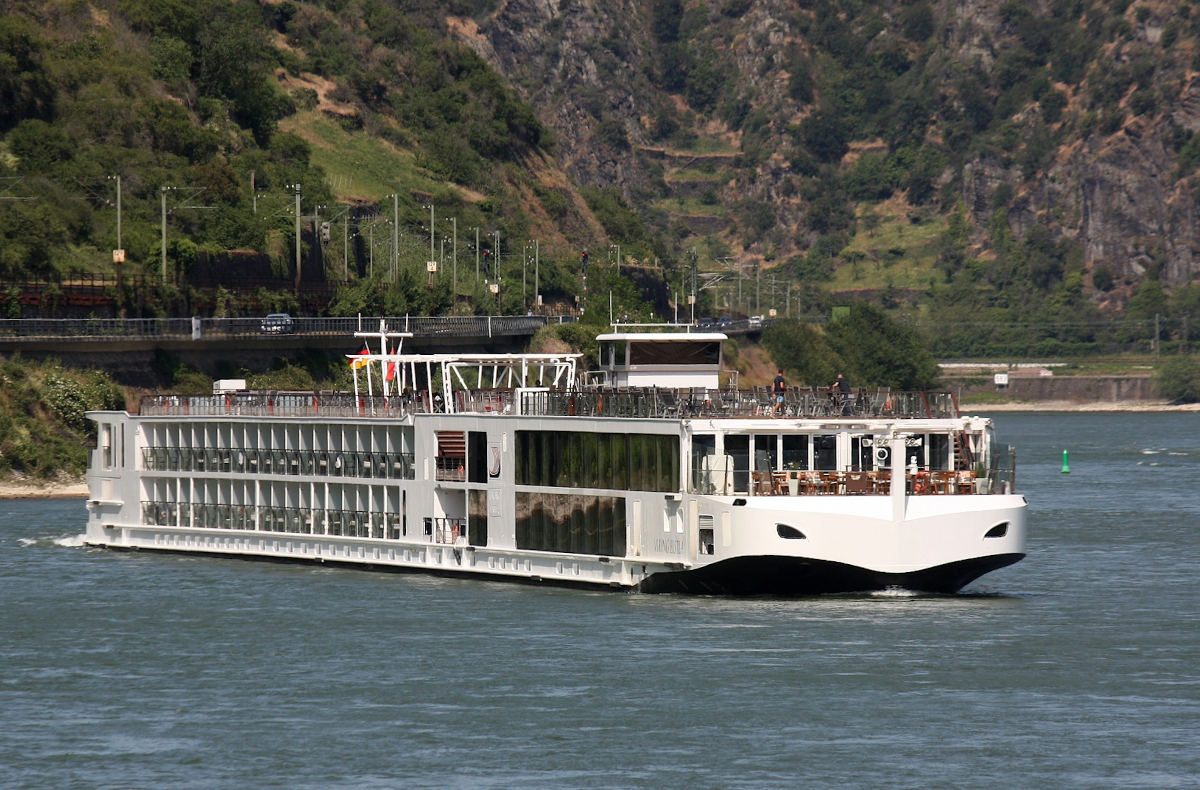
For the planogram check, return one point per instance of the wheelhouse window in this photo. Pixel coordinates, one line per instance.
(612, 353)
(674, 353)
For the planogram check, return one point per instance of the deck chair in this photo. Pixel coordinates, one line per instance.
(858, 483)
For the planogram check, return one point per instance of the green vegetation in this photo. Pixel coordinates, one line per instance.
(871, 348)
(889, 249)
(188, 101)
(364, 166)
(1178, 379)
(691, 207)
(847, 155)
(43, 432)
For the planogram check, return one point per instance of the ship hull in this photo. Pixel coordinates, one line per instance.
(799, 576)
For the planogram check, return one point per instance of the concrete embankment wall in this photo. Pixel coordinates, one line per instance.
(1083, 389)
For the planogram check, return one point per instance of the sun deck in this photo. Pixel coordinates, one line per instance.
(634, 402)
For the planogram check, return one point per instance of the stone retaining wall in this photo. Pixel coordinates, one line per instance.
(1097, 389)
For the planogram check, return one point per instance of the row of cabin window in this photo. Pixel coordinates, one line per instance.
(820, 452)
(623, 462)
(396, 466)
(571, 523)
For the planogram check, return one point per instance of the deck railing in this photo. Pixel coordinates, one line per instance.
(760, 402)
(631, 402)
(449, 530)
(259, 461)
(743, 482)
(227, 328)
(265, 518)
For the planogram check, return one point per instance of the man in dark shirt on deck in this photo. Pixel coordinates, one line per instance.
(779, 387)
(842, 388)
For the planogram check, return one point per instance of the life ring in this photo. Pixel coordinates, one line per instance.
(921, 484)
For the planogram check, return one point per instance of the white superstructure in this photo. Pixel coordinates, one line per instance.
(504, 465)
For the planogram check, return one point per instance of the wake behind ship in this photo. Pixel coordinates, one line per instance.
(646, 474)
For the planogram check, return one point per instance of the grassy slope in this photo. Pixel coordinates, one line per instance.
(894, 231)
(359, 166)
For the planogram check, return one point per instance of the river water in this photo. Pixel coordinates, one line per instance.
(1077, 668)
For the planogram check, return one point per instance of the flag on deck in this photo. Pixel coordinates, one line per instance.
(360, 359)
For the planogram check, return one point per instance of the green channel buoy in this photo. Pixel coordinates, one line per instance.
(1066, 469)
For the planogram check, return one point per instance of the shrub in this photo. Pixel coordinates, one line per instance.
(1178, 379)
(880, 351)
(611, 132)
(825, 136)
(289, 377)
(917, 21)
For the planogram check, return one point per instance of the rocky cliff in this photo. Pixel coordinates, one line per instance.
(769, 123)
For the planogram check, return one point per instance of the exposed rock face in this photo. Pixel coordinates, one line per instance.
(1111, 183)
(557, 54)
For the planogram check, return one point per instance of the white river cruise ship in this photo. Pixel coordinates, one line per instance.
(645, 474)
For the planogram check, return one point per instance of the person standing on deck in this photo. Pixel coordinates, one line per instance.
(842, 387)
(779, 388)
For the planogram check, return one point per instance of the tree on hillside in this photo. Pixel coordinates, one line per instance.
(880, 351)
(1178, 379)
(802, 350)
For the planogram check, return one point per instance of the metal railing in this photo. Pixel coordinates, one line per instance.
(739, 480)
(283, 404)
(660, 402)
(225, 328)
(267, 518)
(701, 402)
(265, 461)
(450, 468)
(449, 530)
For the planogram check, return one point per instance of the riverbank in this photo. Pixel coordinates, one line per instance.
(19, 488)
(1068, 405)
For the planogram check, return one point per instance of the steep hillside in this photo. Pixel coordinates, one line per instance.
(773, 125)
(975, 163)
(218, 113)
